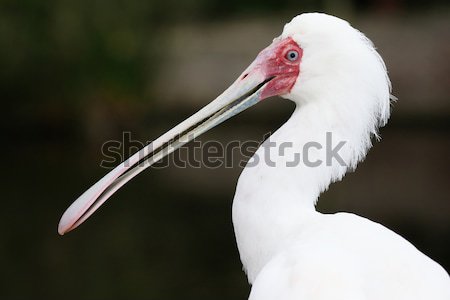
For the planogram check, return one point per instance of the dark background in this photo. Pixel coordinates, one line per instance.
(74, 74)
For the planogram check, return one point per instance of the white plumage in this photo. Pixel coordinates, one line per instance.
(289, 250)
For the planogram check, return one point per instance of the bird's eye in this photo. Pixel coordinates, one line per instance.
(292, 55)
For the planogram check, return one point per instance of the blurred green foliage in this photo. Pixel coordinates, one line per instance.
(63, 48)
(57, 51)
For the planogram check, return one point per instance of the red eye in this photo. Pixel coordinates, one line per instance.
(292, 55)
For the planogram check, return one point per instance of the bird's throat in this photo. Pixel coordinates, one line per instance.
(275, 198)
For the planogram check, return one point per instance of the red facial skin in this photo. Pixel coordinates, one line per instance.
(273, 62)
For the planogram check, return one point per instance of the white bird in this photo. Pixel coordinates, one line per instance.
(289, 250)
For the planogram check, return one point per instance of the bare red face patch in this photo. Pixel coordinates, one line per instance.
(281, 60)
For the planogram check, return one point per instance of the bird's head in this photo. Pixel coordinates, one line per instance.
(317, 54)
(316, 57)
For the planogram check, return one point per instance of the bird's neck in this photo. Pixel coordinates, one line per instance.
(277, 191)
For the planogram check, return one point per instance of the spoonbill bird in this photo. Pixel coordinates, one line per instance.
(289, 250)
